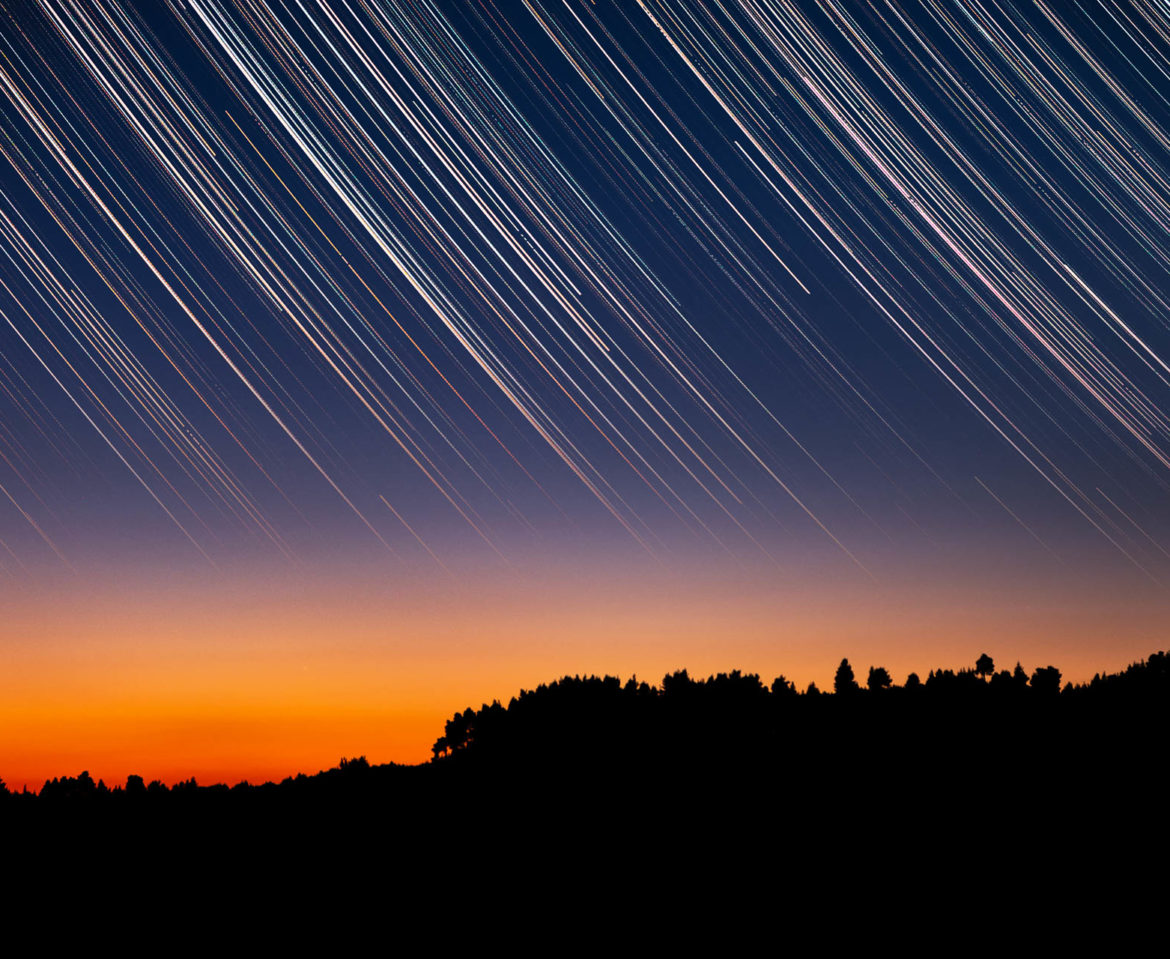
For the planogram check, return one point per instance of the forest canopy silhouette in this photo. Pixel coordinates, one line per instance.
(1009, 725)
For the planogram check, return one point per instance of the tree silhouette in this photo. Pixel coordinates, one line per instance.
(782, 687)
(843, 681)
(879, 678)
(984, 666)
(1046, 681)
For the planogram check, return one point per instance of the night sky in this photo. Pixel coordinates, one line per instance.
(362, 361)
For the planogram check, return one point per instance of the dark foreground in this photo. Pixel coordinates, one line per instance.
(959, 750)
(960, 796)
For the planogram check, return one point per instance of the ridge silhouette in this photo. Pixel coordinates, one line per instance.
(976, 730)
(974, 780)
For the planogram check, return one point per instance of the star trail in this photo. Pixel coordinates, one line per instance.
(877, 289)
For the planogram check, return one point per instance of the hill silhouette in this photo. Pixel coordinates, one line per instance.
(593, 786)
(974, 731)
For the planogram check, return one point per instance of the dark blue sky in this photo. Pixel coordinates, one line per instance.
(463, 282)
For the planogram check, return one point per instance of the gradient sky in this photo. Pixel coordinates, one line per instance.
(362, 361)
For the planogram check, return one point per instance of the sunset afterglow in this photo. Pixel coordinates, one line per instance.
(361, 362)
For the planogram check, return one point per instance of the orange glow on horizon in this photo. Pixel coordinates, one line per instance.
(275, 676)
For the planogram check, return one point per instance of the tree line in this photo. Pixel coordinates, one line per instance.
(734, 723)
